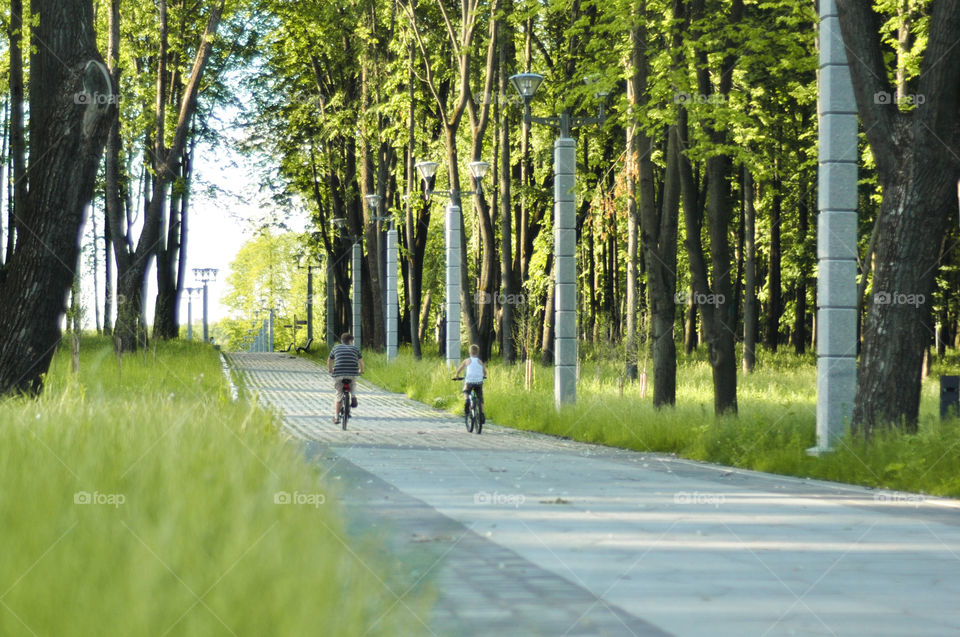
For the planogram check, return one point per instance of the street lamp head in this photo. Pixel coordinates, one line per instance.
(373, 201)
(479, 169)
(526, 84)
(205, 275)
(339, 223)
(427, 169)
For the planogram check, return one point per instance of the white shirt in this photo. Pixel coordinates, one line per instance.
(474, 373)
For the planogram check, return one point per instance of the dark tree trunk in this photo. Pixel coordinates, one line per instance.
(414, 269)
(918, 172)
(66, 141)
(772, 336)
(17, 140)
(799, 332)
(660, 245)
(107, 276)
(507, 349)
(658, 236)
(546, 338)
(750, 275)
(714, 299)
(112, 200)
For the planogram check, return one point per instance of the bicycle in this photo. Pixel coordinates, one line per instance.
(344, 413)
(471, 411)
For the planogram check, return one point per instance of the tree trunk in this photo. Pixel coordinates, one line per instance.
(66, 142)
(715, 301)
(636, 85)
(799, 332)
(660, 245)
(17, 140)
(511, 298)
(750, 275)
(414, 274)
(107, 275)
(546, 337)
(918, 172)
(773, 279)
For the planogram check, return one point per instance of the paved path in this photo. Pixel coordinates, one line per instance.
(533, 535)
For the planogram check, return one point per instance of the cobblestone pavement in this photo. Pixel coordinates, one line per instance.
(533, 535)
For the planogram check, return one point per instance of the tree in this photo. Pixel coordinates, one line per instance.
(71, 95)
(133, 256)
(913, 145)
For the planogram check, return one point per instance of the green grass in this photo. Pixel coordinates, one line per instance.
(186, 532)
(775, 425)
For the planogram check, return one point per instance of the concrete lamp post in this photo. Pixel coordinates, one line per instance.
(388, 273)
(454, 220)
(564, 234)
(355, 276)
(190, 292)
(205, 276)
(836, 237)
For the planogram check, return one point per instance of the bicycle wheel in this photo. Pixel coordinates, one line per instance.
(467, 414)
(474, 413)
(345, 410)
(477, 419)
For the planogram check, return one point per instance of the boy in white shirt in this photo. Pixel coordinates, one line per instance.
(476, 371)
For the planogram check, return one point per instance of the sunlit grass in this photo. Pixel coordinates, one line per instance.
(138, 499)
(775, 424)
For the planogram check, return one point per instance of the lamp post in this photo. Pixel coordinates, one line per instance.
(836, 237)
(389, 254)
(308, 259)
(205, 276)
(190, 292)
(564, 234)
(355, 276)
(427, 170)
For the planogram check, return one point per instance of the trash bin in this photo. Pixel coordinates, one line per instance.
(949, 396)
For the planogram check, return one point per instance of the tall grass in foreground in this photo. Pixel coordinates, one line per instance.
(139, 500)
(775, 425)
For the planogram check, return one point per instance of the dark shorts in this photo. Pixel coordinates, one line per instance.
(477, 387)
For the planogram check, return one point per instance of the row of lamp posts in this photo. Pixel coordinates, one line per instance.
(565, 344)
(204, 276)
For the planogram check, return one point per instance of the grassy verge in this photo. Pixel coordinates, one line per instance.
(140, 500)
(775, 425)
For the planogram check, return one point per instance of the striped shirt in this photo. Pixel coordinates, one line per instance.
(346, 360)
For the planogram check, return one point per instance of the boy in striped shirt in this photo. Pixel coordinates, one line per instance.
(344, 363)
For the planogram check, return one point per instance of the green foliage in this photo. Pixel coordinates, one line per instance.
(774, 428)
(265, 274)
(183, 531)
